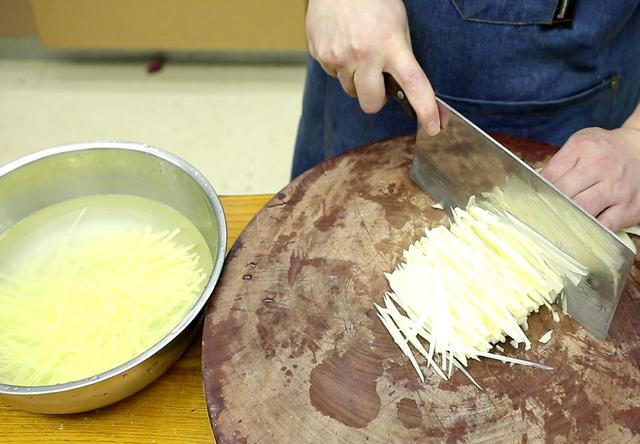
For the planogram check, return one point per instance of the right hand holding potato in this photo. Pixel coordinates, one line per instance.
(359, 40)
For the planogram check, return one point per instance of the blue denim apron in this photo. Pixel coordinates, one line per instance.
(504, 65)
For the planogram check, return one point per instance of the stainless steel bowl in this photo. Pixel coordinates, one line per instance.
(65, 172)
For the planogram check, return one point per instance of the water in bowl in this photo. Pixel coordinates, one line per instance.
(90, 283)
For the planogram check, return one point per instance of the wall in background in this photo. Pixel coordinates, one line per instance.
(16, 19)
(219, 25)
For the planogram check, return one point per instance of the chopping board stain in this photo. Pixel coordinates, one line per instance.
(343, 387)
(629, 418)
(397, 372)
(409, 413)
(393, 204)
(297, 190)
(271, 319)
(400, 161)
(456, 381)
(295, 265)
(634, 276)
(457, 432)
(273, 333)
(568, 411)
(330, 220)
(625, 328)
(214, 363)
(313, 334)
(282, 242)
(299, 260)
(435, 433)
(604, 359)
(299, 343)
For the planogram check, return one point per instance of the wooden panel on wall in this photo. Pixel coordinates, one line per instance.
(16, 18)
(275, 25)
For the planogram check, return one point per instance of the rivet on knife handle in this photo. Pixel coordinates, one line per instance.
(394, 90)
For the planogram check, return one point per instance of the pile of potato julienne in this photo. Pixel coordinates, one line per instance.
(466, 288)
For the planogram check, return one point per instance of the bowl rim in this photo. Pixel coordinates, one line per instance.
(191, 315)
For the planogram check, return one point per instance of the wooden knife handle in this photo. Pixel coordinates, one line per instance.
(394, 90)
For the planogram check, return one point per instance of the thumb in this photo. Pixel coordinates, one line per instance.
(409, 74)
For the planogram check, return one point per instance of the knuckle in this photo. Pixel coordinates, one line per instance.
(361, 52)
(618, 187)
(328, 69)
(597, 195)
(588, 203)
(589, 131)
(601, 143)
(328, 56)
(600, 162)
(594, 201)
(412, 77)
(604, 162)
(579, 142)
(337, 58)
(321, 55)
(596, 132)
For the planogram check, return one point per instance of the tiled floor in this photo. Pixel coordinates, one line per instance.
(236, 123)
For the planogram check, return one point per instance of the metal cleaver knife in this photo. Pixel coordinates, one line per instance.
(462, 161)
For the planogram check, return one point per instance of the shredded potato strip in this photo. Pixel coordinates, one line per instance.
(465, 288)
(96, 304)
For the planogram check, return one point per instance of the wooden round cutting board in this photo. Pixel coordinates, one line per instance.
(293, 351)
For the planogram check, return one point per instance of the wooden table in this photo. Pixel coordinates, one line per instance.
(170, 410)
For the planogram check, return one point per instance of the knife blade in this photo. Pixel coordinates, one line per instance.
(464, 161)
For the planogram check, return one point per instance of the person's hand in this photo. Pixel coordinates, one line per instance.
(600, 170)
(357, 40)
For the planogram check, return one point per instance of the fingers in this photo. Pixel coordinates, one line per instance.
(329, 69)
(563, 161)
(616, 217)
(621, 213)
(576, 180)
(410, 76)
(346, 78)
(369, 84)
(344, 75)
(594, 199)
(443, 111)
(366, 82)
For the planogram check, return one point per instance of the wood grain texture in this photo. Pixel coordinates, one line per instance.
(171, 410)
(293, 351)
